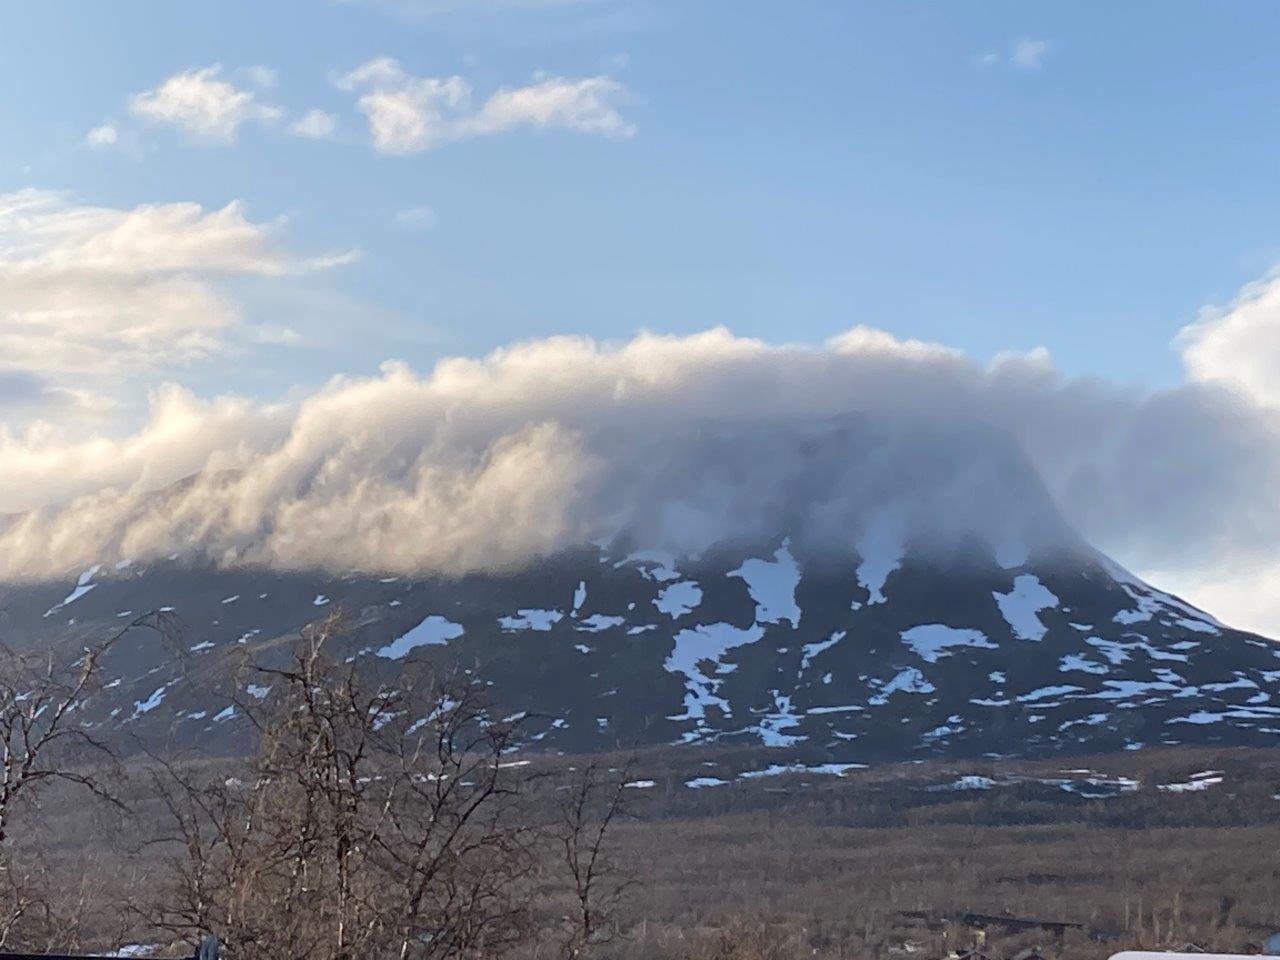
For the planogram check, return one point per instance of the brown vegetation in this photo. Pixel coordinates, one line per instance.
(390, 820)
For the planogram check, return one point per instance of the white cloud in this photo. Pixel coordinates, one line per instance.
(408, 114)
(102, 136)
(1023, 54)
(97, 291)
(203, 105)
(314, 125)
(585, 106)
(1028, 54)
(680, 439)
(1239, 345)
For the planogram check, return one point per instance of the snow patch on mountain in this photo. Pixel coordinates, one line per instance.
(654, 564)
(909, 680)
(530, 619)
(600, 621)
(811, 650)
(705, 643)
(433, 631)
(931, 641)
(772, 585)
(679, 598)
(84, 584)
(1020, 606)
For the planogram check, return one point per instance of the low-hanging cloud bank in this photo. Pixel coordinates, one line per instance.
(486, 463)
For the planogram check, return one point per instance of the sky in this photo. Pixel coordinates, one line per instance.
(209, 211)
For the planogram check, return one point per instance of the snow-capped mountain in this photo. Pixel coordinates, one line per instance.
(870, 653)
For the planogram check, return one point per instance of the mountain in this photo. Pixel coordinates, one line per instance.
(878, 650)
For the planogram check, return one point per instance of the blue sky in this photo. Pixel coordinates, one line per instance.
(795, 169)
(1065, 213)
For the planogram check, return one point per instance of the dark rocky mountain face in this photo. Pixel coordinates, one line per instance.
(871, 653)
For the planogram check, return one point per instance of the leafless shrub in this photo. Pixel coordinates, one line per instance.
(594, 802)
(42, 745)
(372, 820)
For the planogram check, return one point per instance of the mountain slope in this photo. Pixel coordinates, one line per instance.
(868, 653)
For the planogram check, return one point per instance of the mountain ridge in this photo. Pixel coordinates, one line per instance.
(883, 653)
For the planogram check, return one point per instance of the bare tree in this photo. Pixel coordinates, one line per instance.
(43, 744)
(373, 819)
(593, 803)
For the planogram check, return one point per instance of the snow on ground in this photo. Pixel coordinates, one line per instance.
(150, 703)
(909, 680)
(881, 549)
(433, 631)
(967, 782)
(1097, 788)
(933, 640)
(702, 643)
(655, 564)
(1124, 689)
(782, 718)
(599, 621)
(1045, 693)
(84, 584)
(579, 596)
(1074, 661)
(781, 769)
(531, 620)
(1020, 606)
(699, 782)
(1195, 783)
(679, 598)
(811, 650)
(1150, 601)
(772, 585)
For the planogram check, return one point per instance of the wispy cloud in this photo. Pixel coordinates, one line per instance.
(102, 136)
(95, 292)
(1023, 54)
(408, 114)
(314, 125)
(1028, 54)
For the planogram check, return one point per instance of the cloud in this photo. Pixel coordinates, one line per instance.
(314, 125)
(1028, 54)
(1238, 345)
(487, 463)
(102, 136)
(1023, 54)
(203, 105)
(94, 292)
(584, 106)
(408, 114)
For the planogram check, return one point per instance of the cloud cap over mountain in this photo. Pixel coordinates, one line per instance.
(486, 463)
